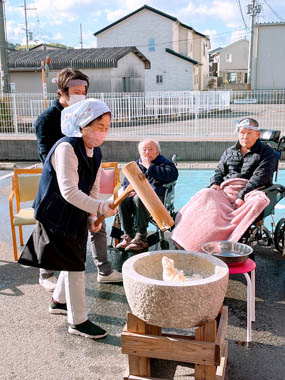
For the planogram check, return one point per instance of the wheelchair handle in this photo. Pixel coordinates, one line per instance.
(116, 203)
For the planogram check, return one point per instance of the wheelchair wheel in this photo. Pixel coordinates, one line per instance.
(164, 244)
(279, 235)
(263, 236)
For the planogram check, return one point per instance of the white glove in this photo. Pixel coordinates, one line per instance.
(106, 210)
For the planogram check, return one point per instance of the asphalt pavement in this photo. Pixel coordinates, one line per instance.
(36, 345)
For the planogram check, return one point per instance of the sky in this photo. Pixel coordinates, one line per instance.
(225, 21)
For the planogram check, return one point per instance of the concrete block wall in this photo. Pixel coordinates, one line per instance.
(122, 151)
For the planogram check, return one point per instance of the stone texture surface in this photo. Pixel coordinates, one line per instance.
(175, 305)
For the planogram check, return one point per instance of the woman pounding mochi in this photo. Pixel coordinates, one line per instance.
(65, 206)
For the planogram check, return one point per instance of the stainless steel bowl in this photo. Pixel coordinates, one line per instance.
(231, 253)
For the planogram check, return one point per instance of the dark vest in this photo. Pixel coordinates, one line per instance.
(51, 209)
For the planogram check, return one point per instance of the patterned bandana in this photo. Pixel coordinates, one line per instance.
(81, 114)
(245, 123)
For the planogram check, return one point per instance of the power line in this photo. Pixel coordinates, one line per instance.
(273, 11)
(240, 9)
(26, 23)
(195, 38)
(38, 23)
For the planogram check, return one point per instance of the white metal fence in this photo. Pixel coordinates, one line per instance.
(189, 114)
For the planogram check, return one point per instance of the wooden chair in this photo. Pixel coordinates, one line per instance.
(24, 188)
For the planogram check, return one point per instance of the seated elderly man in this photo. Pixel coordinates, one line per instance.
(133, 214)
(232, 203)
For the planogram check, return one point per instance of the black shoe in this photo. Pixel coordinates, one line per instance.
(88, 330)
(57, 308)
(137, 245)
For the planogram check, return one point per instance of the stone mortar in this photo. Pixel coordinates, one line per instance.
(172, 304)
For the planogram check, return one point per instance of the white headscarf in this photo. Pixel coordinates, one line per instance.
(79, 115)
(245, 123)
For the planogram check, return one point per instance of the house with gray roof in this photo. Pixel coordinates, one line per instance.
(111, 69)
(178, 53)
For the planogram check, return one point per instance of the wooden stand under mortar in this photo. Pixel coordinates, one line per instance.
(207, 350)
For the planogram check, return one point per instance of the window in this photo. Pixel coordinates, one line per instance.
(151, 44)
(232, 77)
(228, 57)
(126, 84)
(159, 79)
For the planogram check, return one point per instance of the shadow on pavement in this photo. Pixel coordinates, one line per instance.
(13, 275)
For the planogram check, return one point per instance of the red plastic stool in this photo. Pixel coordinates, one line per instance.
(246, 267)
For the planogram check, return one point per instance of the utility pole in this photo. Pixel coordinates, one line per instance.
(252, 9)
(81, 42)
(26, 23)
(4, 84)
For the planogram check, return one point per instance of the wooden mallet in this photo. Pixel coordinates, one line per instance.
(147, 195)
(116, 203)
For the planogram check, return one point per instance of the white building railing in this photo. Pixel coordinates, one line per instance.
(189, 114)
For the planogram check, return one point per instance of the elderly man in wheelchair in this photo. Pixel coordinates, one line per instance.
(235, 200)
(134, 216)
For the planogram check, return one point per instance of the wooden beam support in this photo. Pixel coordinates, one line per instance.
(207, 350)
(163, 347)
(207, 333)
(138, 365)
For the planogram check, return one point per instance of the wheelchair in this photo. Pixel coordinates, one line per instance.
(154, 237)
(258, 233)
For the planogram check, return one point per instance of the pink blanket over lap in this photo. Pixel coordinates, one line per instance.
(210, 215)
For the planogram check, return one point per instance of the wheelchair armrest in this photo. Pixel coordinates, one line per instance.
(272, 188)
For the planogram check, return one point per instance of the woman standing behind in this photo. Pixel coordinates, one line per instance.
(66, 198)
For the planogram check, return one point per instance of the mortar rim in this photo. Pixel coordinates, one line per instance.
(128, 269)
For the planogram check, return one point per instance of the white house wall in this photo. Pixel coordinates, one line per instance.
(129, 66)
(27, 82)
(183, 34)
(177, 74)
(175, 37)
(99, 80)
(137, 30)
(239, 51)
(200, 54)
(269, 57)
(197, 48)
(190, 36)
